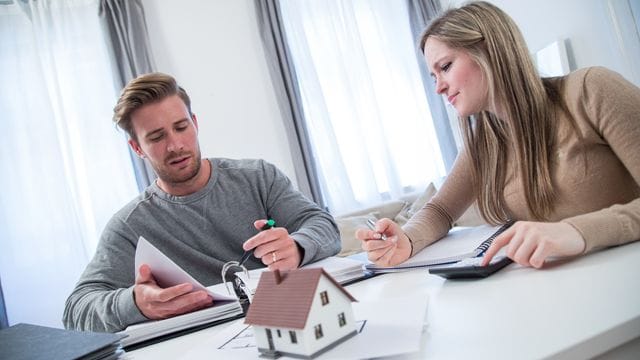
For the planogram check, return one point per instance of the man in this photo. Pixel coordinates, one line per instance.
(199, 212)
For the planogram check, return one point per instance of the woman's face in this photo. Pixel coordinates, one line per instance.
(458, 77)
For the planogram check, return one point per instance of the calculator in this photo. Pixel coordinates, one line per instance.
(470, 268)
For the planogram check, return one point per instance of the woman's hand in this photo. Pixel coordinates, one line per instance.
(531, 243)
(392, 251)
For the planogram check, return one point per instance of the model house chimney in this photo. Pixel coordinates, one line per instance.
(277, 276)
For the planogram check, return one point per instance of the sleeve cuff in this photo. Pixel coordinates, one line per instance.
(128, 312)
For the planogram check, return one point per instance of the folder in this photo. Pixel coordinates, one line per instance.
(34, 342)
(344, 270)
(167, 273)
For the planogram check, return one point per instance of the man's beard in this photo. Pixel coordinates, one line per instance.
(174, 177)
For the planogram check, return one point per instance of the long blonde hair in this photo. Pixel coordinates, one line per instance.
(527, 101)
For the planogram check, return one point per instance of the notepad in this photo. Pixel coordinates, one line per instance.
(460, 243)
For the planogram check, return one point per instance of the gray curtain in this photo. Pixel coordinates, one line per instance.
(420, 13)
(4, 322)
(285, 85)
(126, 29)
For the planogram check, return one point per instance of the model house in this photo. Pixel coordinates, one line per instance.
(300, 313)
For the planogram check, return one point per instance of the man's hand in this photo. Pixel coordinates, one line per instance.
(531, 243)
(390, 252)
(157, 303)
(274, 247)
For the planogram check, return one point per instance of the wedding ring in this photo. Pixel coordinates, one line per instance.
(274, 257)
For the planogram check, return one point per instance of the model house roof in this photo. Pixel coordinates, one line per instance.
(283, 299)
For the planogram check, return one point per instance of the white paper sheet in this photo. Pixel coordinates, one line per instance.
(389, 330)
(166, 272)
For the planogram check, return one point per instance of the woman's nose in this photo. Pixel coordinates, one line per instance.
(440, 86)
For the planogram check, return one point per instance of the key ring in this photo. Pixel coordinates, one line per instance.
(228, 266)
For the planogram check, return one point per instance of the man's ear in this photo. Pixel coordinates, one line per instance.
(136, 148)
(195, 120)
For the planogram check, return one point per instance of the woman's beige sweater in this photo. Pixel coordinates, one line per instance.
(596, 175)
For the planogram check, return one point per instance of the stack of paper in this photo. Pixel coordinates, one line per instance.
(167, 273)
(153, 329)
(343, 270)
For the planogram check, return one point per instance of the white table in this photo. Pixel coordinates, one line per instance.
(570, 310)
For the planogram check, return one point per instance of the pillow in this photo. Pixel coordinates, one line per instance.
(405, 214)
(471, 217)
(348, 226)
(387, 209)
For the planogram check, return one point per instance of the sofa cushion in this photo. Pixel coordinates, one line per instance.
(348, 226)
(405, 214)
(387, 209)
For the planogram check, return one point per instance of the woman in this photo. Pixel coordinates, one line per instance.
(561, 156)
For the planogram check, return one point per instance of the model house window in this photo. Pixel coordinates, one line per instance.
(318, 331)
(292, 335)
(278, 332)
(342, 321)
(324, 298)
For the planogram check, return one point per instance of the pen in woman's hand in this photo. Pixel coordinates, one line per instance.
(268, 225)
(372, 226)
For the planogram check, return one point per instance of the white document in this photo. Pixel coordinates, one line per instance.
(392, 326)
(166, 272)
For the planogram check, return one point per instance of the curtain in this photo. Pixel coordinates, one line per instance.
(363, 99)
(126, 32)
(3, 312)
(64, 168)
(420, 12)
(285, 86)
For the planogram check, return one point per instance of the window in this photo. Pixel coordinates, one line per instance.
(59, 151)
(292, 335)
(342, 321)
(324, 298)
(278, 332)
(363, 99)
(318, 331)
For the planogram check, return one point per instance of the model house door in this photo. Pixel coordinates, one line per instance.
(270, 339)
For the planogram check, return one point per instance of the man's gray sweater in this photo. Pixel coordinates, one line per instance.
(200, 232)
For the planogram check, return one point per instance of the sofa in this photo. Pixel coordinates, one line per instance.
(398, 210)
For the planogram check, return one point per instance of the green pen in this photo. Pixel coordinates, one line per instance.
(268, 225)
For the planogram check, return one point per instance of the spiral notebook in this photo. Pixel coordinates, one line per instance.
(460, 243)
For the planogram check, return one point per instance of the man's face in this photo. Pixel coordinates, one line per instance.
(168, 137)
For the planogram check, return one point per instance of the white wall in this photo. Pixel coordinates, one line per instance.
(214, 50)
(587, 24)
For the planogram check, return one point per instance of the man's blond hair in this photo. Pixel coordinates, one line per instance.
(143, 90)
